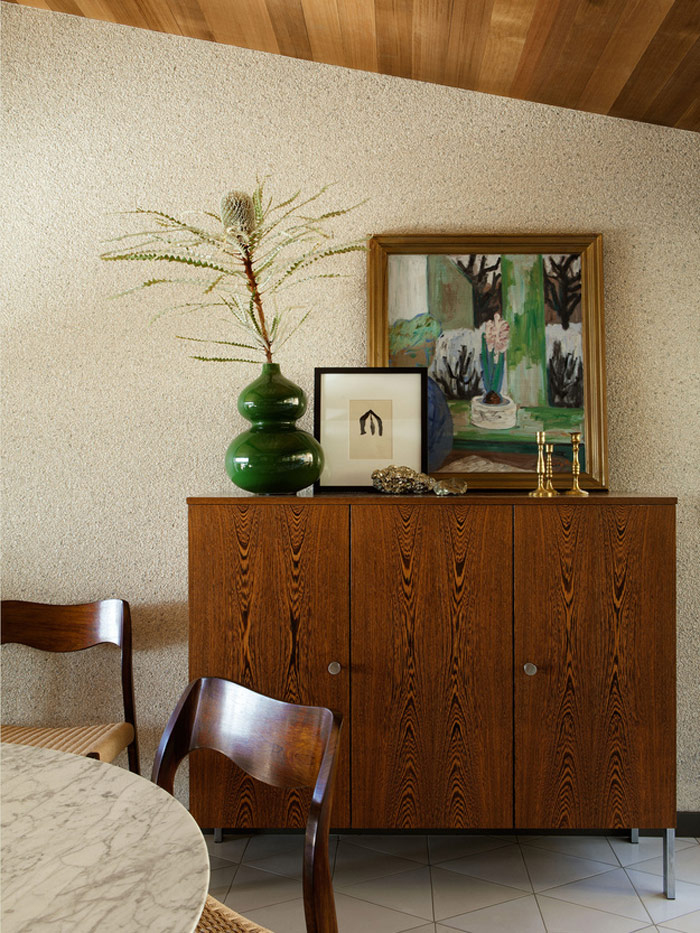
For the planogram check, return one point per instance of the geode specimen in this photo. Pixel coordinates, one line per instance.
(401, 480)
(450, 487)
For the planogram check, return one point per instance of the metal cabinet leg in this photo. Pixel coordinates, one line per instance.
(218, 834)
(670, 863)
(634, 836)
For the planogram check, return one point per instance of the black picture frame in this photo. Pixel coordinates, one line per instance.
(362, 384)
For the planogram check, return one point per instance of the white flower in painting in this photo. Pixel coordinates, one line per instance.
(497, 333)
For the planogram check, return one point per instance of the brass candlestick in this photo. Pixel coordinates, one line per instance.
(575, 468)
(540, 491)
(548, 472)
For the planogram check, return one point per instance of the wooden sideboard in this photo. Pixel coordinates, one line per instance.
(502, 662)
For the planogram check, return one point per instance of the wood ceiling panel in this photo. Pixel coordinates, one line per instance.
(639, 23)
(505, 41)
(394, 37)
(325, 35)
(671, 101)
(690, 120)
(428, 46)
(638, 59)
(672, 42)
(289, 25)
(359, 28)
(573, 60)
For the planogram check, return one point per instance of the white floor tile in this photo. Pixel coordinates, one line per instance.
(687, 865)
(596, 848)
(361, 917)
(289, 862)
(455, 894)
(271, 844)
(410, 847)
(689, 923)
(220, 880)
(649, 888)
(549, 869)
(288, 916)
(647, 847)
(504, 865)
(355, 863)
(522, 915)
(252, 888)
(230, 850)
(408, 891)
(448, 847)
(611, 892)
(564, 917)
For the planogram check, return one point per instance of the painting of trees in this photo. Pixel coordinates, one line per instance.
(562, 286)
(485, 279)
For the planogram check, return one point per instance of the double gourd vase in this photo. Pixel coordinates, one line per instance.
(273, 457)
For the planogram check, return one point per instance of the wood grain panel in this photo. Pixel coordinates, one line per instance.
(357, 22)
(269, 608)
(394, 22)
(619, 55)
(674, 39)
(432, 665)
(595, 611)
(504, 45)
(630, 58)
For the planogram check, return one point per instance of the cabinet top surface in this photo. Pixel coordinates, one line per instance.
(470, 498)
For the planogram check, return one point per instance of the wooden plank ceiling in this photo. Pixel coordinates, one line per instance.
(637, 59)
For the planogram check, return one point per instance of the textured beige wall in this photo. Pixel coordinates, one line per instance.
(108, 426)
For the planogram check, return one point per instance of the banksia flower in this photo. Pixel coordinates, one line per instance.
(237, 212)
(264, 248)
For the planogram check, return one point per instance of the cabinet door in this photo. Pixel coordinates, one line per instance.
(431, 665)
(595, 612)
(269, 609)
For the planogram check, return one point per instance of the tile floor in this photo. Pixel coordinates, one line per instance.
(477, 884)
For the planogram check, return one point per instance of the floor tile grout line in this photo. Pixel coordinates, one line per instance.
(432, 888)
(446, 920)
(237, 863)
(600, 910)
(532, 885)
(580, 858)
(640, 897)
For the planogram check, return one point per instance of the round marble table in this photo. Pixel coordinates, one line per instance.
(88, 846)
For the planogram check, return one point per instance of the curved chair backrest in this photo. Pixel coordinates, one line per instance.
(282, 744)
(75, 628)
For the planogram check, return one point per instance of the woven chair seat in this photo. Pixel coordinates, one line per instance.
(218, 918)
(102, 741)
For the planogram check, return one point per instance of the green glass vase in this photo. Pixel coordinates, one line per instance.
(273, 457)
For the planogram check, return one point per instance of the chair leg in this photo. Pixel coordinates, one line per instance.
(218, 834)
(133, 753)
(670, 864)
(634, 836)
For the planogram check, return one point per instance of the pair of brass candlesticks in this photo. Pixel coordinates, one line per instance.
(545, 487)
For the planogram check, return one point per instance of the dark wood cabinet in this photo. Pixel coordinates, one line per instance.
(269, 608)
(432, 658)
(431, 609)
(594, 611)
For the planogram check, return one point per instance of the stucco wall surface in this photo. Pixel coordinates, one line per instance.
(108, 425)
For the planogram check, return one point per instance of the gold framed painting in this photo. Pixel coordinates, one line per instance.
(510, 331)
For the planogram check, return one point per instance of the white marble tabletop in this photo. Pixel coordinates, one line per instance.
(88, 846)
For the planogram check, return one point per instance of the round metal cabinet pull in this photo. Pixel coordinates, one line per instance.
(334, 668)
(530, 669)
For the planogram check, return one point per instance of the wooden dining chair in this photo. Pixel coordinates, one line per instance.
(281, 744)
(75, 628)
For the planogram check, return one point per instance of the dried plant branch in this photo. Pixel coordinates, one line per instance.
(254, 249)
